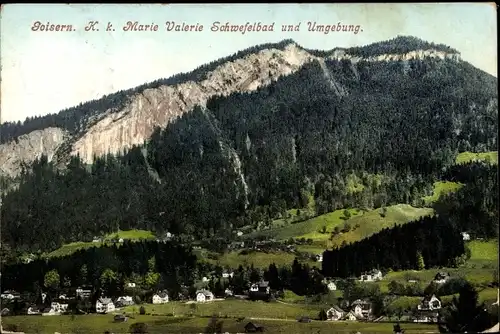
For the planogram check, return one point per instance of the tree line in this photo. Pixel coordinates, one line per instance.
(426, 243)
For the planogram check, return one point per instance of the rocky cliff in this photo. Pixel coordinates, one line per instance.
(114, 132)
(28, 147)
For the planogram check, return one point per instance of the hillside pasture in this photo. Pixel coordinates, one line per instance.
(371, 222)
(70, 248)
(465, 157)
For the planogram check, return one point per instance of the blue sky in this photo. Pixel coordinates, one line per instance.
(44, 72)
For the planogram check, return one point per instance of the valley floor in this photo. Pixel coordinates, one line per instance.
(274, 317)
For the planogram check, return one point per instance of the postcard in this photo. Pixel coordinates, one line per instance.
(230, 168)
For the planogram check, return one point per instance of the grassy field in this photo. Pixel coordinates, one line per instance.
(483, 253)
(374, 221)
(441, 188)
(306, 229)
(465, 157)
(233, 309)
(70, 248)
(161, 324)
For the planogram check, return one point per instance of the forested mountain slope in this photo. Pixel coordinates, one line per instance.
(344, 133)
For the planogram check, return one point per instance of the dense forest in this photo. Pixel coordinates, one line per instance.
(474, 207)
(248, 157)
(426, 243)
(170, 264)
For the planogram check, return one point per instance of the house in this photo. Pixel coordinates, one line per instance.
(430, 303)
(104, 305)
(335, 313)
(96, 239)
(331, 286)
(160, 298)
(124, 301)
(362, 308)
(204, 296)
(227, 274)
(228, 293)
(120, 318)
(32, 310)
(5, 312)
(373, 275)
(253, 328)
(352, 316)
(426, 316)
(120, 240)
(262, 286)
(319, 257)
(50, 311)
(83, 292)
(130, 285)
(239, 233)
(205, 279)
(465, 236)
(59, 307)
(10, 294)
(441, 277)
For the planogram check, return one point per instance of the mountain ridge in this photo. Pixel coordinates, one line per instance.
(111, 117)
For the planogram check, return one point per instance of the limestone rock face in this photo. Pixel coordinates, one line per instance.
(29, 147)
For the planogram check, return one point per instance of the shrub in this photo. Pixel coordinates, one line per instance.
(142, 310)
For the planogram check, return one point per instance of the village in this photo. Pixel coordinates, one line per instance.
(359, 310)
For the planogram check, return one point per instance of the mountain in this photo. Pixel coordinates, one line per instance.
(117, 122)
(238, 142)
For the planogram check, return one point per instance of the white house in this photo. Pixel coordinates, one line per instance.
(441, 278)
(373, 275)
(262, 287)
(335, 313)
(130, 285)
(352, 316)
(204, 296)
(205, 279)
(331, 286)
(59, 307)
(361, 308)
(96, 239)
(33, 310)
(430, 303)
(228, 292)
(465, 236)
(83, 292)
(104, 305)
(227, 274)
(120, 240)
(124, 300)
(239, 233)
(319, 257)
(160, 298)
(50, 311)
(10, 294)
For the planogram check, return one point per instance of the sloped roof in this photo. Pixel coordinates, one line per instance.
(105, 300)
(205, 292)
(337, 308)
